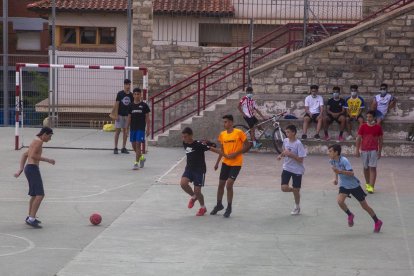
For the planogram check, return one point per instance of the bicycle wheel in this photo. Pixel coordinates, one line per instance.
(278, 136)
(245, 129)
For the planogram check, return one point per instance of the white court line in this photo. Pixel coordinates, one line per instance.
(172, 168)
(407, 247)
(30, 246)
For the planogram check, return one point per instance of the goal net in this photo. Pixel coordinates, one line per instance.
(75, 100)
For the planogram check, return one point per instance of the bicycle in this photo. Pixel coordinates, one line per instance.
(273, 131)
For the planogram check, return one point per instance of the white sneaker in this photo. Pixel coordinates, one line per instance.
(295, 211)
(349, 138)
(135, 166)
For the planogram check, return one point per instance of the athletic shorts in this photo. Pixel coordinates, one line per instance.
(352, 119)
(34, 178)
(251, 121)
(332, 119)
(137, 136)
(296, 179)
(369, 158)
(197, 178)
(314, 117)
(357, 192)
(121, 122)
(379, 115)
(229, 172)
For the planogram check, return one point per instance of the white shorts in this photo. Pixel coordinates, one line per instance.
(121, 122)
(369, 159)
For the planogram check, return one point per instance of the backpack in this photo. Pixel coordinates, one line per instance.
(410, 135)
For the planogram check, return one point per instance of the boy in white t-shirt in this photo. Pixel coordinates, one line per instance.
(314, 112)
(293, 155)
(382, 103)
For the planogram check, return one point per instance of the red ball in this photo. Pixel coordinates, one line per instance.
(95, 219)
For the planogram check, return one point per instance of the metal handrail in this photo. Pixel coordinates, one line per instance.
(201, 75)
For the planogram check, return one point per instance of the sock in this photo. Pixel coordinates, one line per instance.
(33, 219)
(348, 212)
(297, 205)
(229, 205)
(341, 133)
(326, 133)
(374, 217)
(219, 203)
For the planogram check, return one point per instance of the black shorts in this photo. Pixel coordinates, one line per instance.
(313, 117)
(34, 178)
(357, 192)
(355, 119)
(296, 179)
(197, 178)
(251, 121)
(229, 172)
(332, 119)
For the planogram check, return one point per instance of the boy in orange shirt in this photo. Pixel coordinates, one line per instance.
(233, 144)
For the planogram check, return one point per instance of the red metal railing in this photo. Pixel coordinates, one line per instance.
(193, 94)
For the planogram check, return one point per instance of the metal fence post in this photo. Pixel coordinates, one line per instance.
(305, 22)
(129, 37)
(249, 66)
(5, 63)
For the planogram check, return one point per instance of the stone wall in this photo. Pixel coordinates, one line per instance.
(381, 50)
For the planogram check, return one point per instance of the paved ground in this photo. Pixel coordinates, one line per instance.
(147, 229)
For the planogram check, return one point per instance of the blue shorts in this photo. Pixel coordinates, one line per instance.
(196, 177)
(379, 115)
(137, 136)
(34, 178)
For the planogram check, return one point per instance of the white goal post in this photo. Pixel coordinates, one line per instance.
(19, 87)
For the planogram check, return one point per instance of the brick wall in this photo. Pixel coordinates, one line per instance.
(375, 52)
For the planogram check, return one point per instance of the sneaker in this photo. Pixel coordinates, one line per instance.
(377, 226)
(124, 150)
(38, 221)
(216, 209)
(142, 161)
(317, 137)
(115, 151)
(227, 213)
(258, 145)
(191, 202)
(295, 211)
(340, 138)
(369, 188)
(135, 166)
(304, 136)
(201, 212)
(326, 138)
(351, 220)
(349, 137)
(34, 224)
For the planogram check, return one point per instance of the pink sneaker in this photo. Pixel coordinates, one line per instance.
(351, 220)
(327, 138)
(191, 202)
(201, 212)
(340, 139)
(377, 226)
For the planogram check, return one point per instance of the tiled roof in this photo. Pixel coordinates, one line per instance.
(199, 7)
(81, 5)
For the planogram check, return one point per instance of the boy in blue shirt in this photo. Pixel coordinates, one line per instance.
(349, 184)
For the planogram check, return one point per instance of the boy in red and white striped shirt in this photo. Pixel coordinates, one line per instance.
(247, 107)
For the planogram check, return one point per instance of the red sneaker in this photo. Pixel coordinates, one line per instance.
(377, 226)
(351, 220)
(191, 202)
(201, 212)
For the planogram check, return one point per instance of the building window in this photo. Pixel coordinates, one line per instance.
(86, 37)
(28, 41)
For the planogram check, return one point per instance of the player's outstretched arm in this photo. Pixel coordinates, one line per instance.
(23, 160)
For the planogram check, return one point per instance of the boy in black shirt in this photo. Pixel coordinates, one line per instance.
(195, 169)
(123, 100)
(335, 111)
(138, 121)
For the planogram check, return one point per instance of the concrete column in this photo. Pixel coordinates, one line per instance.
(371, 6)
(142, 34)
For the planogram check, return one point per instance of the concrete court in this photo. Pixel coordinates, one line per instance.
(149, 231)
